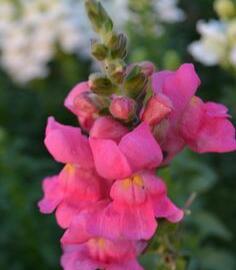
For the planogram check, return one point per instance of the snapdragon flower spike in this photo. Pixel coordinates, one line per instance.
(204, 127)
(88, 252)
(136, 203)
(107, 196)
(136, 151)
(78, 185)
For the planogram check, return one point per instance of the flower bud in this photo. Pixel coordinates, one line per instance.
(98, 50)
(100, 84)
(100, 20)
(88, 103)
(116, 70)
(147, 68)
(122, 107)
(111, 40)
(224, 8)
(117, 43)
(135, 82)
(157, 108)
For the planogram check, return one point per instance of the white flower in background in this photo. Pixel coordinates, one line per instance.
(217, 44)
(211, 48)
(168, 11)
(31, 31)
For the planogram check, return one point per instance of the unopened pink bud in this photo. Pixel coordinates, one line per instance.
(122, 107)
(147, 67)
(157, 108)
(84, 104)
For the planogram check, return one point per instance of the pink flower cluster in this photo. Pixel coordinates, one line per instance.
(108, 196)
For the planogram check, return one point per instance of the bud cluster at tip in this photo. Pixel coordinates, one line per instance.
(110, 49)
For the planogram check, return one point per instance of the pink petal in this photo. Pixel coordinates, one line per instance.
(78, 89)
(90, 255)
(192, 119)
(110, 162)
(179, 86)
(153, 184)
(53, 195)
(67, 145)
(77, 232)
(158, 80)
(126, 191)
(205, 127)
(172, 145)
(108, 128)
(157, 108)
(65, 214)
(75, 257)
(164, 208)
(86, 121)
(81, 185)
(132, 264)
(141, 149)
(118, 221)
(216, 110)
(162, 205)
(218, 135)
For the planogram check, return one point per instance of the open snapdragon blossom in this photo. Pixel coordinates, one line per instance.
(133, 120)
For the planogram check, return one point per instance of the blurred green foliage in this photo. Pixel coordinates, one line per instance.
(203, 184)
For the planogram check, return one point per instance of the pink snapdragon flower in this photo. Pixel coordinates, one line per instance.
(78, 185)
(136, 151)
(83, 251)
(203, 127)
(136, 203)
(108, 195)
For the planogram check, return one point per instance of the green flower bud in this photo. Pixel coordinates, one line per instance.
(101, 85)
(98, 50)
(224, 8)
(117, 43)
(120, 49)
(116, 71)
(100, 20)
(135, 82)
(111, 39)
